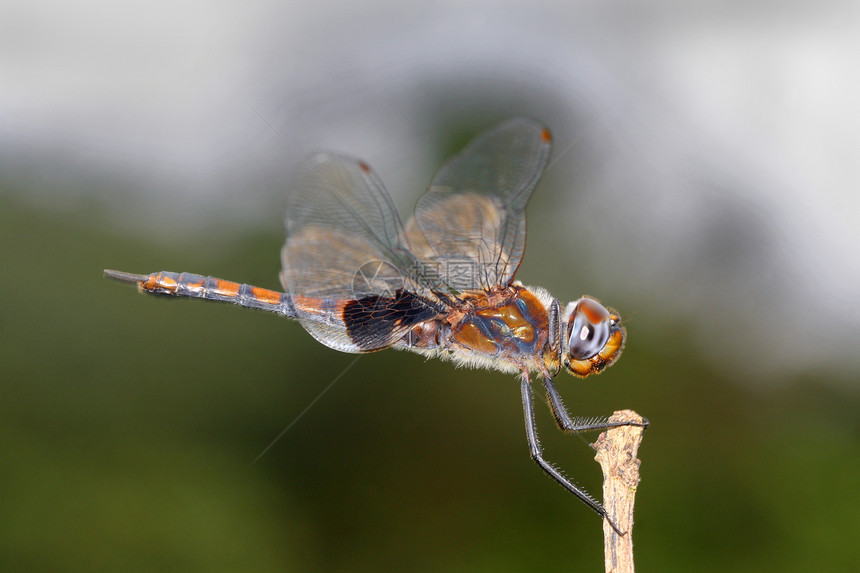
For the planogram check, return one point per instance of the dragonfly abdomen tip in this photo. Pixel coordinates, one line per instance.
(125, 277)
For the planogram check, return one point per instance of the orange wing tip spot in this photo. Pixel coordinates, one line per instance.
(364, 166)
(545, 135)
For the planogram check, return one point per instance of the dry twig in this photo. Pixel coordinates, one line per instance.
(616, 453)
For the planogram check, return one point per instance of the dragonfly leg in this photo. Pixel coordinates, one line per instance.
(576, 424)
(537, 454)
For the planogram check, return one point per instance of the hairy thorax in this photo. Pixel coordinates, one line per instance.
(504, 328)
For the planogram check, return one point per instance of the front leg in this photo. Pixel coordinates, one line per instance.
(537, 455)
(574, 425)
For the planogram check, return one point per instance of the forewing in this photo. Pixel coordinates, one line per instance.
(471, 222)
(344, 243)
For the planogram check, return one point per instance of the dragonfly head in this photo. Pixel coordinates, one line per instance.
(594, 337)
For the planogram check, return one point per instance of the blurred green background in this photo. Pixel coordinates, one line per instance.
(702, 184)
(129, 425)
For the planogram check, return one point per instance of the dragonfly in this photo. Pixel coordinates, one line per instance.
(442, 285)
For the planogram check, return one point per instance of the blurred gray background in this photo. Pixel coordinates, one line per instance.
(703, 182)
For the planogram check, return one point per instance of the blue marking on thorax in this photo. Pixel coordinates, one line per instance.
(500, 333)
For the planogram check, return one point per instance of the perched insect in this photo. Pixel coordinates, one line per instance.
(358, 280)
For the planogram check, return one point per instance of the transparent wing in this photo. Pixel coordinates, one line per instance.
(344, 244)
(471, 222)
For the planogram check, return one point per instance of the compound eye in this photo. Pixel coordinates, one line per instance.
(589, 329)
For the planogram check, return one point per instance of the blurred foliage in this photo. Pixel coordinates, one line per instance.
(129, 425)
